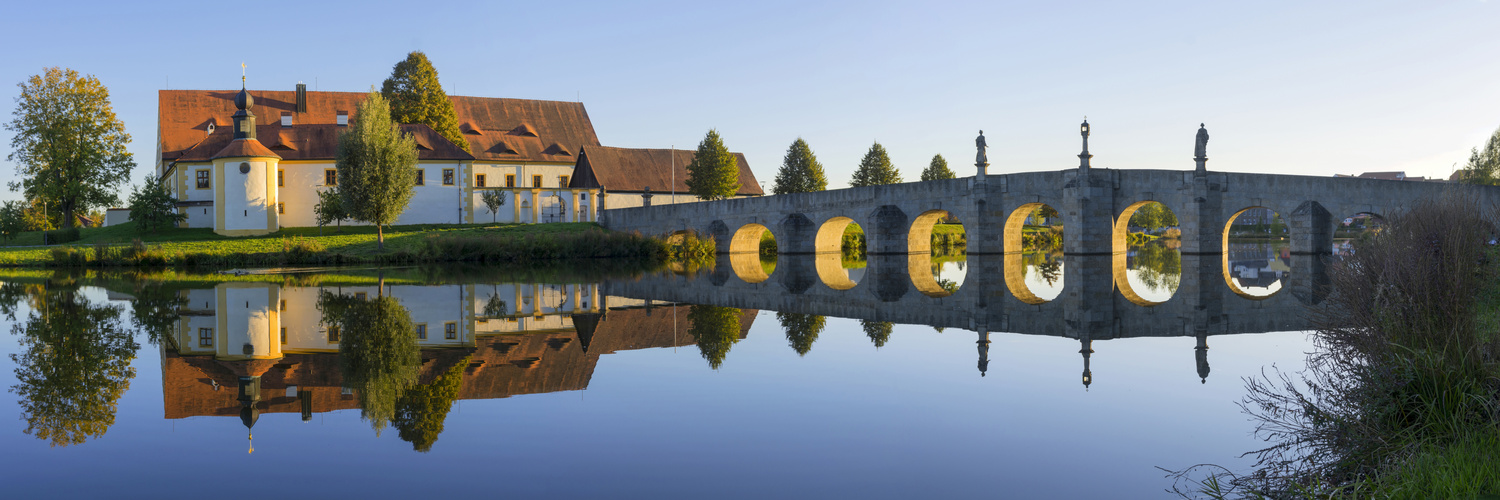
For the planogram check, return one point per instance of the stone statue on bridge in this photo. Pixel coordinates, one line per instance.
(1200, 149)
(980, 159)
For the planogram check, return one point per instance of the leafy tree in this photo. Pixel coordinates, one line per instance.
(1042, 214)
(801, 330)
(879, 332)
(493, 199)
(377, 167)
(937, 170)
(714, 174)
(1153, 216)
(152, 206)
(875, 169)
(378, 353)
(800, 171)
(715, 329)
(330, 208)
(12, 219)
(69, 147)
(1484, 164)
(415, 96)
(36, 217)
(73, 366)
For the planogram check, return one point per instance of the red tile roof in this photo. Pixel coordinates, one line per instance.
(633, 170)
(497, 129)
(244, 147)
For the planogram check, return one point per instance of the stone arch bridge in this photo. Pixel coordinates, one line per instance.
(898, 218)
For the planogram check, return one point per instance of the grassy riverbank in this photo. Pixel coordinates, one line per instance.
(124, 245)
(1402, 397)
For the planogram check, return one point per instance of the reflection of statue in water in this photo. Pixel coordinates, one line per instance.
(981, 159)
(1200, 147)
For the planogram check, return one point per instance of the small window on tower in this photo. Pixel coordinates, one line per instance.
(343, 118)
(202, 179)
(536, 181)
(447, 177)
(478, 180)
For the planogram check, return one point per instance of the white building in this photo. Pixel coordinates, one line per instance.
(247, 163)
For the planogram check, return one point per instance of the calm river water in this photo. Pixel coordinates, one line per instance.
(850, 379)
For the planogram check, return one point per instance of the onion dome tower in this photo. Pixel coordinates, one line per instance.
(245, 194)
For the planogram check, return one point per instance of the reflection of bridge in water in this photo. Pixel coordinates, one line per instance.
(901, 289)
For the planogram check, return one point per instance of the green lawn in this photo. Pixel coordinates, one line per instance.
(351, 241)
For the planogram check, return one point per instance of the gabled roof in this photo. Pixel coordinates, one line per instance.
(528, 128)
(633, 170)
(314, 142)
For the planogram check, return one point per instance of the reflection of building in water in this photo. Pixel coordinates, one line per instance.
(1258, 265)
(550, 342)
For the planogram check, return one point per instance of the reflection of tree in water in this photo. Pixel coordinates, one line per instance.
(715, 329)
(879, 332)
(421, 411)
(73, 367)
(1051, 271)
(1158, 267)
(801, 330)
(377, 353)
(156, 311)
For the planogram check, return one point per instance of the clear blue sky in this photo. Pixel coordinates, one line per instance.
(1313, 88)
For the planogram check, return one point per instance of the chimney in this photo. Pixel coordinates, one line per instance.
(302, 98)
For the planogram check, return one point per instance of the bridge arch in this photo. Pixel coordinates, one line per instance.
(1276, 242)
(747, 238)
(919, 235)
(830, 235)
(1015, 225)
(1158, 263)
(831, 271)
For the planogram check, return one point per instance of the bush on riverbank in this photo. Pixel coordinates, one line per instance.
(411, 244)
(1405, 385)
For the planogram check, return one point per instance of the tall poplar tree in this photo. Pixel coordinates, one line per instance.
(714, 174)
(417, 97)
(1484, 164)
(937, 170)
(69, 147)
(800, 171)
(875, 169)
(377, 166)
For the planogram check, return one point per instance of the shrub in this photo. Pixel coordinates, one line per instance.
(299, 250)
(60, 236)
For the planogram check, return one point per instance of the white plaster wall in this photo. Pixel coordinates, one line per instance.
(189, 173)
(199, 216)
(298, 193)
(245, 196)
(247, 311)
(434, 306)
(495, 174)
(116, 216)
(432, 202)
(629, 200)
(189, 343)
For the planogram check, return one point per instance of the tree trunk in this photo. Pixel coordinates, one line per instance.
(379, 237)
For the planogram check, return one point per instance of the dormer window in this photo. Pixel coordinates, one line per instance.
(210, 128)
(343, 118)
(286, 119)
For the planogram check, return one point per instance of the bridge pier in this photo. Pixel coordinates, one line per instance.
(796, 234)
(1202, 217)
(1088, 213)
(1311, 228)
(889, 231)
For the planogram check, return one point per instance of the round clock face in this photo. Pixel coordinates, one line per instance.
(244, 168)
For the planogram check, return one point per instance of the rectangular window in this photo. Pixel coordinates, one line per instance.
(331, 177)
(283, 304)
(536, 181)
(283, 335)
(447, 177)
(333, 334)
(510, 180)
(205, 337)
(562, 181)
(280, 208)
(450, 330)
(280, 178)
(343, 118)
(286, 119)
(478, 180)
(360, 295)
(202, 179)
(422, 331)
(421, 177)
